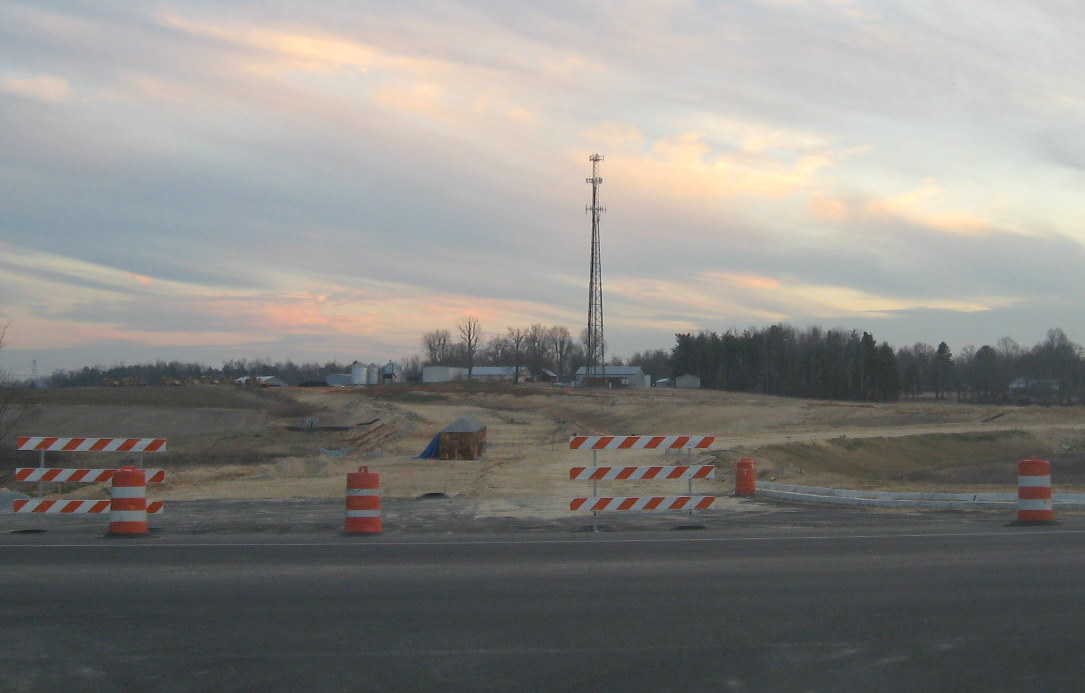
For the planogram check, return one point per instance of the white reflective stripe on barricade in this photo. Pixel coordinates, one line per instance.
(642, 503)
(363, 513)
(54, 507)
(707, 471)
(363, 491)
(92, 444)
(639, 442)
(79, 476)
(71, 507)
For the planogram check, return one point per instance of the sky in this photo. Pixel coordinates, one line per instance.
(205, 181)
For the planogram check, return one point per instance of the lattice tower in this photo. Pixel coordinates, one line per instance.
(596, 346)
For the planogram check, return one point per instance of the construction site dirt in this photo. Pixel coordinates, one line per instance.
(233, 451)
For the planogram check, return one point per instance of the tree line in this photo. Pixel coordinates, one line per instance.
(852, 365)
(1052, 371)
(781, 360)
(537, 349)
(177, 372)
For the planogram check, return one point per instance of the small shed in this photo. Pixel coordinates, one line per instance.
(688, 382)
(463, 439)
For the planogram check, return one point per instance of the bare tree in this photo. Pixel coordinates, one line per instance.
(497, 350)
(470, 334)
(561, 346)
(537, 346)
(438, 346)
(516, 340)
(14, 404)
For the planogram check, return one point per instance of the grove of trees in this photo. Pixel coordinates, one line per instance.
(538, 348)
(163, 371)
(1052, 371)
(780, 360)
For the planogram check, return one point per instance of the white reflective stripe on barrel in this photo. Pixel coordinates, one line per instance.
(128, 491)
(1034, 481)
(1035, 504)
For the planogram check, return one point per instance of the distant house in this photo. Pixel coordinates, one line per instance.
(612, 376)
(688, 382)
(547, 376)
(338, 379)
(263, 381)
(495, 374)
(485, 374)
(1039, 390)
(443, 374)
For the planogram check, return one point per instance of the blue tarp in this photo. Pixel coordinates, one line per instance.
(430, 453)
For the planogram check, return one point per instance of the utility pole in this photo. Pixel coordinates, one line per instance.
(596, 346)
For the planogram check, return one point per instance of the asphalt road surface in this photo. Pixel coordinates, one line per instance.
(950, 607)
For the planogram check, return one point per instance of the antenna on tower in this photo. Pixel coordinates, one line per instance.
(595, 344)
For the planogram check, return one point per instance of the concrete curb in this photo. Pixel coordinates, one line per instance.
(890, 499)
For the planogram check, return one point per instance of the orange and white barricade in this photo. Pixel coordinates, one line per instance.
(596, 503)
(128, 506)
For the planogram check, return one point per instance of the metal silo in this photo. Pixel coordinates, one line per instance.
(357, 373)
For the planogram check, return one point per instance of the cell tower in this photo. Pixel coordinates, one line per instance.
(596, 346)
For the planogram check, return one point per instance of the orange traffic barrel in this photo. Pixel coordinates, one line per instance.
(128, 507)
(363, 502)
(1034, 491)
(746, 477)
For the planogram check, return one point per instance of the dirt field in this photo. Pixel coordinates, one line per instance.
(235, 443)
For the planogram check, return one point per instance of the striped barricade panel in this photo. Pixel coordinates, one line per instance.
(639, 442)
(79, 476)
(92, 444)
(706, 471)
(604, 504)
(74, 507)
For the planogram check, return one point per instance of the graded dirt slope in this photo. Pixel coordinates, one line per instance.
(239, 443)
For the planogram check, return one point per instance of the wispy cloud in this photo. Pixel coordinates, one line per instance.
(342, 178)
(44, 88)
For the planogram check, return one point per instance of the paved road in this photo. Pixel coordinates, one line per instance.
(913, 607)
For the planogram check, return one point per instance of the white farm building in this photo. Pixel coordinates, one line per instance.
(484, 374)
(615, 376)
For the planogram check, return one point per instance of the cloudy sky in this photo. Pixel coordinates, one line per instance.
(213, 180)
